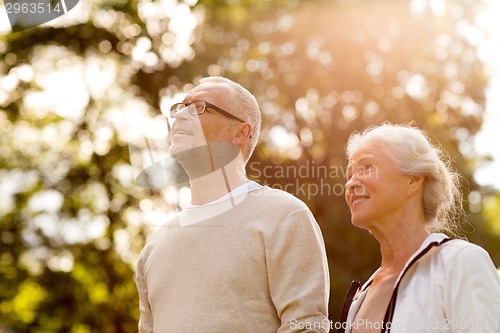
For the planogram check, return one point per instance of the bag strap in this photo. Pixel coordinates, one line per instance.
(353, 289)
(389, 313)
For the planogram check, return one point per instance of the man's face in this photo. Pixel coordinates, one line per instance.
(191, 131)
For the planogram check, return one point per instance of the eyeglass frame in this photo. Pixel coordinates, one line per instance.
(207, 105)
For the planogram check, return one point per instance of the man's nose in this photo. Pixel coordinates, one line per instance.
(182, 113)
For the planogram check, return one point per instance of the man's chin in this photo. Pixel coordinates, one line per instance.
(176, 149)
(187, 155)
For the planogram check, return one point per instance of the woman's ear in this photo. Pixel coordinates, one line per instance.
(244, 133)
(415, 183)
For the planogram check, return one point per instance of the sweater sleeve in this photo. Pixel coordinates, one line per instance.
(472, 293)
(146, 319)
(298, 274)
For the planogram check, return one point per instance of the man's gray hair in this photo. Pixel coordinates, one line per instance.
(244, 105)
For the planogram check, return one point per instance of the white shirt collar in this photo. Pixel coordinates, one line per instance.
(244, 188)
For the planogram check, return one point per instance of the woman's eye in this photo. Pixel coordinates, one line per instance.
(364, 169)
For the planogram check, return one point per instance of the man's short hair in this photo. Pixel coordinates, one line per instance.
(244, 105)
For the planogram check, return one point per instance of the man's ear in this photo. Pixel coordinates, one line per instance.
(415, 183)
(244, 133)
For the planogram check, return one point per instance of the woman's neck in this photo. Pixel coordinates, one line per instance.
(397, 244)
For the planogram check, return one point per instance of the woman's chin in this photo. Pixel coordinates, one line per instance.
(359, 222)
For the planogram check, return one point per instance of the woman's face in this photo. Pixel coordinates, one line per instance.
(376, 191)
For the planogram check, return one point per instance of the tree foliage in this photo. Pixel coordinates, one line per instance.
(72, 220)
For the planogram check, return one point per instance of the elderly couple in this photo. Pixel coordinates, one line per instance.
(247, 258)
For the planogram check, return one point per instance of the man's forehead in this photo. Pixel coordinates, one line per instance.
(211, 86)
(209, 89)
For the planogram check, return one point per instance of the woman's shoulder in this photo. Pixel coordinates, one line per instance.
(455, 246)
(464, 252)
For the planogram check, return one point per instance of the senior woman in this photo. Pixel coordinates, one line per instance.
(401, 188)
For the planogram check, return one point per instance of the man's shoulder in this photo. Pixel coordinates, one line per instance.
(155, 231)
(274, 197)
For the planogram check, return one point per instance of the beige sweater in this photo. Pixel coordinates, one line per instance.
(256, 264)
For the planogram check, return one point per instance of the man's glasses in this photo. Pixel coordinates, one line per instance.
(199, 107)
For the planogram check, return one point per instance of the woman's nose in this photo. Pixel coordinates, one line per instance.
(351, 184)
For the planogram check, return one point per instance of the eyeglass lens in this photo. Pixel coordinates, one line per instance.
(193, 108)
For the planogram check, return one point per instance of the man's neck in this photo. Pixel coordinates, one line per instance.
(213, 186)
(216, 184)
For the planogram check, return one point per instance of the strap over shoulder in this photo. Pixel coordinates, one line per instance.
(389, 313)
(353, 289)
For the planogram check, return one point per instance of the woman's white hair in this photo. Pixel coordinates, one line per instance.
(413, 153)
(244, 105)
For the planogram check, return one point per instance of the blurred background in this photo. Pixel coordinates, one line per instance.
(72, 218)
